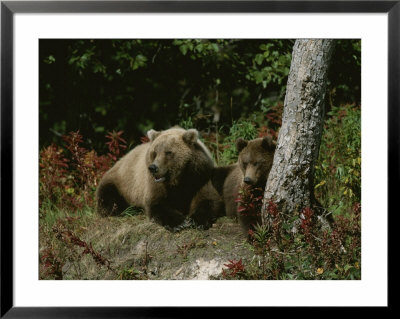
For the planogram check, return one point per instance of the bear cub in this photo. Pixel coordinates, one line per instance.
(169, 177)
(252, 170)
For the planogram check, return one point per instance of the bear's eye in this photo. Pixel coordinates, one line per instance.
(168, 153)
(153, 155)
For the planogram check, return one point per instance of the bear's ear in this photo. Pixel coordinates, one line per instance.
(241, 144)
(152, 134)
(268, 144)
(190, 136)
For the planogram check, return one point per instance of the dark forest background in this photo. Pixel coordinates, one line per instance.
(96, 86)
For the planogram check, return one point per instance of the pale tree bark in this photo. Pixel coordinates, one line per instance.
(290, 183)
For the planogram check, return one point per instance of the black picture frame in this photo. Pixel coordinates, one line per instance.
(9, 8)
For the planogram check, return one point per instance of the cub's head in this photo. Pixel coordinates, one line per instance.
(174, 152)
(255, 159)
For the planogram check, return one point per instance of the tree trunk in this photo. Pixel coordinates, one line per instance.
(290, 182)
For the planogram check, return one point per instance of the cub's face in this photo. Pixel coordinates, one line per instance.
(169, 153)
(255, 160)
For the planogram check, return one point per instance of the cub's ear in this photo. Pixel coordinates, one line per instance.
(152, 134)
(268, 144)
(190, 136)
(241, 144)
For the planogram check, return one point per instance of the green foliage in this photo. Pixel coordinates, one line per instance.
(186, 123)
(199, 48)
(98, 85)
(271, 66)
(338, 170)
(241, 128)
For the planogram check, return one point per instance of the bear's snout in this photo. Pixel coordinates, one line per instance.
(153, 168)
(248, 180)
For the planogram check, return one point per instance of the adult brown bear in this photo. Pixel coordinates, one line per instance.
(168, 177)
(251, 170)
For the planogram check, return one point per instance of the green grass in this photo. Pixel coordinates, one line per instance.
(50, 213)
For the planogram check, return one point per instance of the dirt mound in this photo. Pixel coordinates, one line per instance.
(139, 249)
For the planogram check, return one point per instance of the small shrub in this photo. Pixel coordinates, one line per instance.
(310, 252)
(130, 274)
(242, 128)
(249, 201)
(235, 270)
(51, 265)
(338, 170)
(68, 176)
(116, 144)
(272, 122)
(71, 240)
(186, 123)
(53, 177)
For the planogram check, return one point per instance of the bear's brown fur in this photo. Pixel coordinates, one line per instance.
(207, 205)
(168, 177)
(253, 167)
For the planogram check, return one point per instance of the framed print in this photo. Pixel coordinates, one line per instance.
(153, 153)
